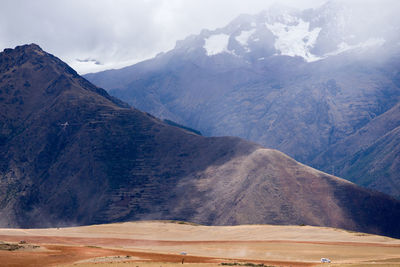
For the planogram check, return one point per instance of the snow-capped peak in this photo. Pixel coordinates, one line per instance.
(216, 44)
(313, 34)
(296, 38)
(243, 38)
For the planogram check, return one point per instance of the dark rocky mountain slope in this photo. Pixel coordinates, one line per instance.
(369, 157)
(297, 81)
(71, 154)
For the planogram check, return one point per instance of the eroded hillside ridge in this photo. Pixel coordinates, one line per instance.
(302, 82)
(72, 155)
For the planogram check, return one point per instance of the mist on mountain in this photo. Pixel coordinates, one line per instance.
(300, 81)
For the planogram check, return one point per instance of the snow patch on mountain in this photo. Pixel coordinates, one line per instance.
(216, 44)
(243, 38)
(295, 38)
(287, 18)
(343, 46)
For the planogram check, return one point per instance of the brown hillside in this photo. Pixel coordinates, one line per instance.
(71, 154)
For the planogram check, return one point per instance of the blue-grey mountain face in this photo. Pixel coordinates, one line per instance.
(70, 154)
(303, 82)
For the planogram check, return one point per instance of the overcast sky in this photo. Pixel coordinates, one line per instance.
(117, 33)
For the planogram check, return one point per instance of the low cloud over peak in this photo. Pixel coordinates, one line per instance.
(119, 33)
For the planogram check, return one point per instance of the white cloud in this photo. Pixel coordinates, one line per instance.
(343, 47)
(117, 32)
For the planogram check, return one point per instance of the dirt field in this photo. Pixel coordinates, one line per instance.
(155, 244)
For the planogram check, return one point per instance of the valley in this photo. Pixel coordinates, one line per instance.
(271, 141)
(162, 243)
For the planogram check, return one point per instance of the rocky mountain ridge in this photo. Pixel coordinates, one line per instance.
(297, 81)
(72, 155)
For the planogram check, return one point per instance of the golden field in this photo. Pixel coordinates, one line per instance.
(162, 243)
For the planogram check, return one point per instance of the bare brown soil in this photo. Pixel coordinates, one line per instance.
(154, 244)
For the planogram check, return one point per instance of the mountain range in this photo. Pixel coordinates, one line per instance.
(70, 154)
(313, 84)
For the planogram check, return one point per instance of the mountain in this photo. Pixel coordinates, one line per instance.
(369, 157)
(297, 81)
(72, 155)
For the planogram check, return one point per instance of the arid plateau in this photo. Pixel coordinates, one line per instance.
(169, 243)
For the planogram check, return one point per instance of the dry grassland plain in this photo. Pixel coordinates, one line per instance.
(167, 244)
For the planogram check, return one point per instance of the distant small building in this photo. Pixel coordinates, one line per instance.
(325, 260)
(183, 253)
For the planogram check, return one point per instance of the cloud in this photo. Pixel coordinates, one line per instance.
(117, 32)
